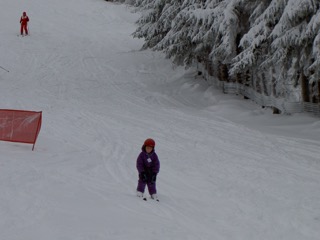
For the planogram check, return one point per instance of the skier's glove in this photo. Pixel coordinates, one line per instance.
(143, 177)
(153, 178)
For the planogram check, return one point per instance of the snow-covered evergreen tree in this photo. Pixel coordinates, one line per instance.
(225, 30)
(149, 26)
(278, 40)
(271, 44)
(313, 37)
(189, 37)
(144, 4)
(290, 45)
(255, 44)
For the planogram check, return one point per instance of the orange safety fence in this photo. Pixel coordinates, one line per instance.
(20, 126)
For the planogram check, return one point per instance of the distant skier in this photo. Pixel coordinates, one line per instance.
(24, 23)
(148, 166)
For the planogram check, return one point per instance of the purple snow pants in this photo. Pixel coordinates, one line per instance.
(151, 187)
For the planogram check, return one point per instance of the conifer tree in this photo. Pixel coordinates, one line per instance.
(269, 45)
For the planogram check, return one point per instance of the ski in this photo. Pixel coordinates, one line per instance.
(146, 199)
(155, 197)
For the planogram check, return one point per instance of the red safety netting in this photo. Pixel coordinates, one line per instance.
(20, 126)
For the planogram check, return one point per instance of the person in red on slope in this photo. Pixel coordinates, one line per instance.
(24, 23)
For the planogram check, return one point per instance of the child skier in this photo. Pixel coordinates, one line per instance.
(24, 23)
(148, 167)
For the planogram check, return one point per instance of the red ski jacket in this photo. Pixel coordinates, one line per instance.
(24, 20)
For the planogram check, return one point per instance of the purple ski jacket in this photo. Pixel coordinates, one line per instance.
(148, 163)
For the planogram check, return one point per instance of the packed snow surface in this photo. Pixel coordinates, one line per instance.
(229, 169)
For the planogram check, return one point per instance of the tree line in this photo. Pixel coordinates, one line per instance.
(272, 46)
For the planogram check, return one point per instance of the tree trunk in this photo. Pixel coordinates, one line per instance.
(239, 78)
(223, 73)
(305, 88)
(273, 83)
(264, 83)
(209, 67)
(316, 92)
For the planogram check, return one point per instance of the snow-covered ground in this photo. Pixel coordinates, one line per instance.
(229, 169)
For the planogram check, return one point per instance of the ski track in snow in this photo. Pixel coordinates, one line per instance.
(101, 98)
